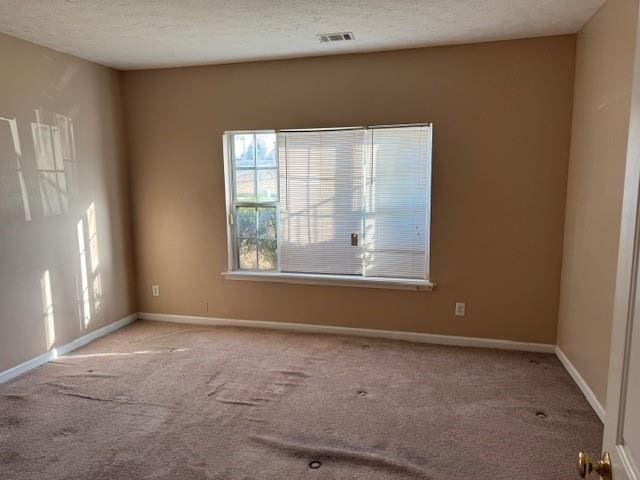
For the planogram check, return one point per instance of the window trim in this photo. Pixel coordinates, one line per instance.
(234, 273)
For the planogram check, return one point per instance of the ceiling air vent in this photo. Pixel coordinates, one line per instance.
(335, 37)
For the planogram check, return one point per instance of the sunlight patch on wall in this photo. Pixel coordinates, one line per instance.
(54, 147)
(47, 309)
(94, 254)
(88, 251)
(84, 278)
(93, 237)
(13, 129)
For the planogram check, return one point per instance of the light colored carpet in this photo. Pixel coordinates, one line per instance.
(164, 401)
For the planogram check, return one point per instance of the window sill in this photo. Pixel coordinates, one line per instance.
(334, 280)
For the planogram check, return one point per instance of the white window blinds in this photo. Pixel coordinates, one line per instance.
(397, 201)
(355, 201)
(321, 201)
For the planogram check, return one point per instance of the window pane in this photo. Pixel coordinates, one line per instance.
(243, 150)
(266, 148)
(245, 185)
(267, 256)
(246, 222)
(247, 257)
(267, 223)
(267, 185)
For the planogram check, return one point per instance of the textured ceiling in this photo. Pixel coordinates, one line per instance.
(133, 34)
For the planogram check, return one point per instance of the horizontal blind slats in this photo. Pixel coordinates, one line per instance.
(374, 183)
(321, 185)
(398, 169)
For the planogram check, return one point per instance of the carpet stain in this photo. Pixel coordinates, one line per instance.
(9, 456)
(10, 421)
(13, 398)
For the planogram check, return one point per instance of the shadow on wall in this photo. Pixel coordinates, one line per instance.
(54, 232)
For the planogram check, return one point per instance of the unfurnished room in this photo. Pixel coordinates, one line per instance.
(323, 240)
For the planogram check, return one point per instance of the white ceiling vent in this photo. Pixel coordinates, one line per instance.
(335, 37)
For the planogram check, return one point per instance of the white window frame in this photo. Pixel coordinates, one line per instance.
(234, 273)
(232, 203)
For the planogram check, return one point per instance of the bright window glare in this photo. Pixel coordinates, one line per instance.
(47, 309)
(84, 278)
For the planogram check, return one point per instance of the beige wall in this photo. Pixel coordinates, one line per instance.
(43, 199)
(502, 118)
(604, 67)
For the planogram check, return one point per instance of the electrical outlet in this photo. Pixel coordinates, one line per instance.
(155, 290)
(461, 309)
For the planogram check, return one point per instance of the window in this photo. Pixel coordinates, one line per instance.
(255, 198)
(335, 205)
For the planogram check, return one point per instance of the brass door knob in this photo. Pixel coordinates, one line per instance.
(602, 467)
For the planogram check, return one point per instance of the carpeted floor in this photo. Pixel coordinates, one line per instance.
(166, 401)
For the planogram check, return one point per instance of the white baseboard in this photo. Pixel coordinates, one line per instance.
(582, 384)
(360, 332)
(64, 349)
